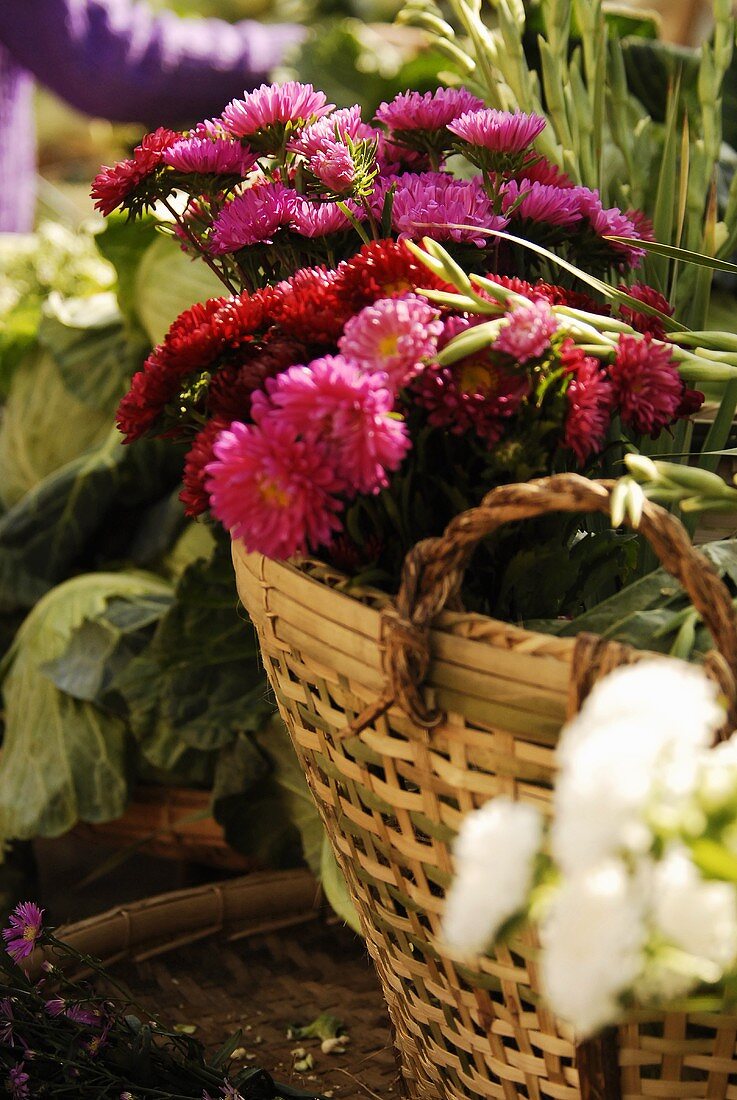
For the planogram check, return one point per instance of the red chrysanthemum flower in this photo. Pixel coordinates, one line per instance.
(382, 269)
(191, 343)
(308, 308)
(556, 295)
(194, 495)
(230, 390)
(475, 394)
(691, 402)
(590, 398)
(114, 184)
(645, 322)
(647, 385)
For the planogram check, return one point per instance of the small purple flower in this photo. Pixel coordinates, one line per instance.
(88, 1017)
(526, 335)
(435, 204)
(251, 218)
(394, 335)
(431, 111)
(56, 1006)
(274, 105)
(210, 156)
(25, 929)
(17, 1083)
(318, 219)
(541, 202)
(7, 1035)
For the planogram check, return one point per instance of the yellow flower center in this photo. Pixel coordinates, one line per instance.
(30, 932)
(272, 493)
(478, 375)
(388, 346)
(390, 289)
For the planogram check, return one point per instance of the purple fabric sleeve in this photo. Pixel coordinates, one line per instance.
(115, 59)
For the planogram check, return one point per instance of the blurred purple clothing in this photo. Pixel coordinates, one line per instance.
(117, 60)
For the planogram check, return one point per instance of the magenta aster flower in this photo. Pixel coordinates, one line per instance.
(24, 930)
(275, 491)
(318, 219)
(526, 335)
(273, 105)
(56, 1006)
(321, 135)
(435, 204)
(78, 1014)
(215, 156)
(333, 403)
(539, 169)
(503, 133)
(251, 218)
(333, 166)
(431, 111)
(475, 394)
(610, 222)
(394, 335)
(647, 385)
(541, 202)
(589, 398)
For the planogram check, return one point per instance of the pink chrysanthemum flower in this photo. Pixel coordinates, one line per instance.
(318, 137)
(526, 335)
(541, 202)
(435, 204)
(25, 926)
(504, 132)
(274, 105)
(334, 403)
(394, 335)
(318, 219)
(647, 385)
(251, 218)
(278, 493)
(539, 169)
(333, 166)
(590, 397)
(610, 222)
(431, 111)
(204, 155)
(646, 322)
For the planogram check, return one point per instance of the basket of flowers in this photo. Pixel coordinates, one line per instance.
(412, 424)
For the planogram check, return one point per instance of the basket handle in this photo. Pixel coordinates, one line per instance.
(433, 571)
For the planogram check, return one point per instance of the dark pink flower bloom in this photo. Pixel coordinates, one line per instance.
(26, 923)
(251, 218)
(333, 166)
(431, 111)
(274, 104)
(526, 334)
(317, 219)
(114, 186)
(17, 1082)
(541, 202)
(610, 222)
(475, 394)
(435, 204)
(321, 135)
(278, 493)
(216, 156)
(647, 386)
(334, 403)
(88, 1016)
(56, 1006)
(504, 132)
(646, 322)
(394, 335)
(590, 398)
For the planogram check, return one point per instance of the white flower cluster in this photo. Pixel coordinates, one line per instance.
(634, 883)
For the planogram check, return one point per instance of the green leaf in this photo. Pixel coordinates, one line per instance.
(200, 681)
(47, 534)
(685, 255)
(18, 330)
(166, 283)
(123, 243)
(63, 760)
(336, 891)
(277, 820)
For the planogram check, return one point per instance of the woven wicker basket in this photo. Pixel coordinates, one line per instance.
(401, 730)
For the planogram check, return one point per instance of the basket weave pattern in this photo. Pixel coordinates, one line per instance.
(392, 790)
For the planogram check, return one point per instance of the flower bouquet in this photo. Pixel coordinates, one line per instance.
(432, 330)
